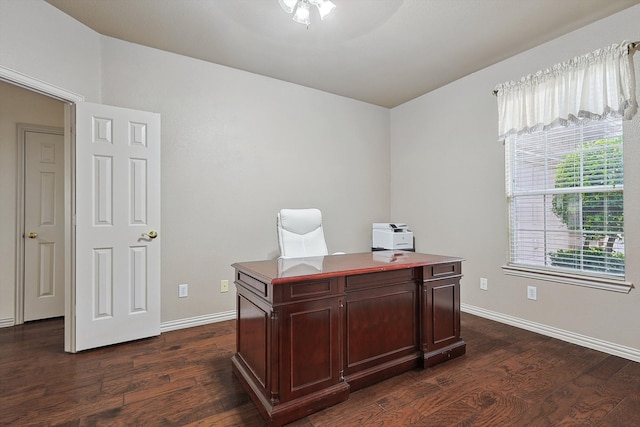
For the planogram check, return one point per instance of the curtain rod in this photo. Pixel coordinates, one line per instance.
(632, 46)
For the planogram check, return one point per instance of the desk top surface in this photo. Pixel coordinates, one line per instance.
(285, 270)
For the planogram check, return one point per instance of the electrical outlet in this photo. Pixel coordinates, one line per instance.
(483, 283)
(532, 292)
(183, 290)
(224, 286)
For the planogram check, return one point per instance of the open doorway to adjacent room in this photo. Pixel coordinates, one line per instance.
(32, 187)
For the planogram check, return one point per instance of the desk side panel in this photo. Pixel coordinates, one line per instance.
(252, 326)
(441, 320)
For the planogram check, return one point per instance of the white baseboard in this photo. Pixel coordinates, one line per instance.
(583, 340)
(173, 325)
(5, 323)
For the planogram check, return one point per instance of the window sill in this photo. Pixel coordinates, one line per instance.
(604, 283)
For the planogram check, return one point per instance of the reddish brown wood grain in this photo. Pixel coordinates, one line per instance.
(336, 324)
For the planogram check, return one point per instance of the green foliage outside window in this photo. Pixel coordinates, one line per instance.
(597, 215)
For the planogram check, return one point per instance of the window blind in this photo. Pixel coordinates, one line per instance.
(565, 194)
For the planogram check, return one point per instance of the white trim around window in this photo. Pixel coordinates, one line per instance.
(591, 281)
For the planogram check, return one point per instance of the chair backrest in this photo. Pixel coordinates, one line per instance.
(300, 233)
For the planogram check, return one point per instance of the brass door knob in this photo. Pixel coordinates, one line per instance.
(152, 234)
(32, 235)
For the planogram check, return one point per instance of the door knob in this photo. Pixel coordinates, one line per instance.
(32, 235)
(152, 234)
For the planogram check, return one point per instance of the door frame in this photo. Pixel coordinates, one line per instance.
(20, 224)
(69, 98)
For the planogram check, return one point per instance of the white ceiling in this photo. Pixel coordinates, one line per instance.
(384, 52)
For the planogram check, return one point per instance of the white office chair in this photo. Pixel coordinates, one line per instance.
(300, 233)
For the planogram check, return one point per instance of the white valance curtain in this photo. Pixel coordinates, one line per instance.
(591, 86)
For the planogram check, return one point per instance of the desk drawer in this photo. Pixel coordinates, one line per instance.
(383, 278)
(305, 290)
(251, 283)
(437, 271)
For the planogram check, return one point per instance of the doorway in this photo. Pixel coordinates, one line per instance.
(40, 222)
(18, 106)
(98, 142)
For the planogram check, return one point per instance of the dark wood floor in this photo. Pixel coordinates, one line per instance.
(509, 377)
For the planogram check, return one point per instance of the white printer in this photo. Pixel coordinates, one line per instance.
(388, 235)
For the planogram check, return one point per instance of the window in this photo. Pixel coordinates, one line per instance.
(565, 196)
(562, 128)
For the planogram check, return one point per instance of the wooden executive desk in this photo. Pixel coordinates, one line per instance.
(310, 330)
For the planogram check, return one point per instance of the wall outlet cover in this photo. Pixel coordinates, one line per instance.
(183, 290)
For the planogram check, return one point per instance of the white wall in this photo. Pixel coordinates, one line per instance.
(16, 106)
(236, 148)
(447, 182)
(40, 41)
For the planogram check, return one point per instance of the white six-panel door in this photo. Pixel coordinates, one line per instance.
(43, 224)
(117, 225)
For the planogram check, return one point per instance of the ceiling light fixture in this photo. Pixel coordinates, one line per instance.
(302, 7)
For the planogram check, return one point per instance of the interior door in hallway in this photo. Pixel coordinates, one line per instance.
(117, 231)
(44, 223)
